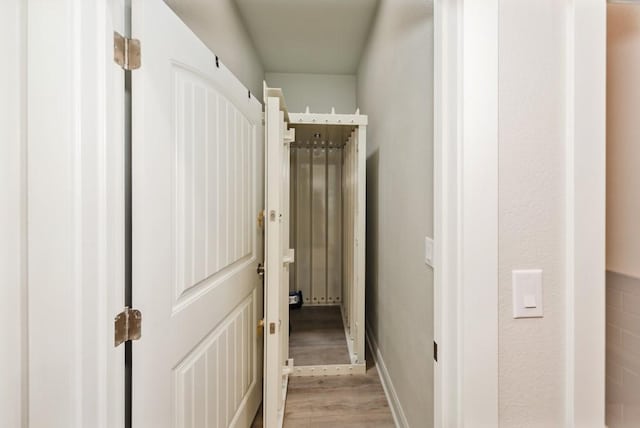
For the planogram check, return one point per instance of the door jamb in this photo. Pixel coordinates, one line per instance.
(466, 213)
(73, 193)
(585, 167)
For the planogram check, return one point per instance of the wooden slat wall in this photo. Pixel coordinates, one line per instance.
(349, 189)
(316, 222)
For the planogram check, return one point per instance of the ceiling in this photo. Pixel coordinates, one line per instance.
(308, 36)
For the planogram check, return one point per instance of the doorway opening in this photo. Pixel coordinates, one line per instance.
(327, 302)
(623, 210)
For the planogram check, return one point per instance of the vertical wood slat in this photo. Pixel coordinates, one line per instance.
(223, 148)
(187, 183)
(334, 225)
(199, 183)
(213, 387)
(200, 398)
(223, 381)
(212, 178)
(303, 223)
(237, 186)
(317, 223)
(292, 214)
(350, 189)
(319, 226)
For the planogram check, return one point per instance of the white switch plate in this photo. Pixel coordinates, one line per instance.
(428, 251)
(527, 293)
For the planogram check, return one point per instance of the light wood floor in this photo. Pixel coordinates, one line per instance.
(355, 401)
(317, 336)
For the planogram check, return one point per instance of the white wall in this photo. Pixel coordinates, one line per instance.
(318, 91)
(12, 217)
(395, 88)
(531, 224)
(219, 25)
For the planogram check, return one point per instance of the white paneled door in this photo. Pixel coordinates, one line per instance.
(197, 188)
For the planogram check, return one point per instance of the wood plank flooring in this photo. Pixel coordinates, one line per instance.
(355, 401)
(317, 336)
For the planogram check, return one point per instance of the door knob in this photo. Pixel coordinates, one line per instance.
(260, 269)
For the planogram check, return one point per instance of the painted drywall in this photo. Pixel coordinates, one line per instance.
(320, 92)
(531, 224)
(12, 217)
(623, 212)
(623, 131)
(219, 25)
(395, 88)
(309, 36)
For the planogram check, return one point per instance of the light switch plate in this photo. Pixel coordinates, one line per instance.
(527, 293)
(428, 251)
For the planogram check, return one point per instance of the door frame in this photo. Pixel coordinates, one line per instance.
(73, 205)
(466, 212)
(13, 292)
(466, 120)
(585, 214)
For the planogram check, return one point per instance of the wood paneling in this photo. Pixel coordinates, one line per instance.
(215, 377)
(316, 214)
(215, 151)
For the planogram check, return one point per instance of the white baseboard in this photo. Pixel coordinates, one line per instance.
(396, 409)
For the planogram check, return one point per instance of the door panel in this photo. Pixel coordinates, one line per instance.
(318, 225)
(196, 141)
(276, 255)
(303, 223)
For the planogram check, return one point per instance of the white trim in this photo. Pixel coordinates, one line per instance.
(466, 215)
(74, 96)
(13, 250)
(478, 316)
(327, 119)
(447, 122)
(389, 391)
(329, 370)
(350, 345)
(585, 213)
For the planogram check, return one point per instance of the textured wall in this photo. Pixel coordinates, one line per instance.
(318, 91)
(532, 208)
(395, 88)
(218, 24)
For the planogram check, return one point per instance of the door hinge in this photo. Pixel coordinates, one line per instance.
(126, 52)
(127, 326)
(435, 351)
(261, 219)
